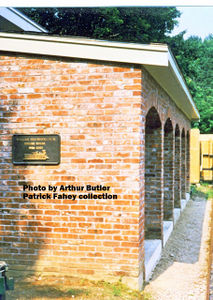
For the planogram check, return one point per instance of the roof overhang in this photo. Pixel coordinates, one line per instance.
(156, 58)
(14, 20)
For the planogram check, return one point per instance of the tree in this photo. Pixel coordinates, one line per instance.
(142, 24)
(195, 58)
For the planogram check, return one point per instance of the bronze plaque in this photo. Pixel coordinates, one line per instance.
(36, 149)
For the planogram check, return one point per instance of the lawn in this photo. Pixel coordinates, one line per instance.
(47, 288)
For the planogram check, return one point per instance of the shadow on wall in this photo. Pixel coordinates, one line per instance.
(24, 230)
(31, 230)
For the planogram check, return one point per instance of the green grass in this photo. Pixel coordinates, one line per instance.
(77, 288)
(116, 291)
(210, 194)
(204, 189)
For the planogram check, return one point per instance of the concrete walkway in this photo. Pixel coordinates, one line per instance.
(183, 269)
(210, 283)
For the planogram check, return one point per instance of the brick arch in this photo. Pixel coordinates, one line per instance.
(168, 162)
(153, 175)
(165, 112)
(151, 101)
(180, 121)
(177, 170)
(183, 164)
(168, 125)
(170, 117)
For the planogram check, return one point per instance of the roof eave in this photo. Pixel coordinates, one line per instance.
(20, 20)
(181, 80)
(157, 59)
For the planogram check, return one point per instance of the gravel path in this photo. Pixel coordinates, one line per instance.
(211, 283)
(182, 271)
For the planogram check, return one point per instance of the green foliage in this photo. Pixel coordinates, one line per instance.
(195, 58)
(131, 24)
(141, 25)
(116, 291)
(203, 190)
(193, 190)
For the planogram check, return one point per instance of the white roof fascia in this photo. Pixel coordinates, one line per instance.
(181, 80)
(172, 81)
(85, 48)
(20, 20)
(156, 58)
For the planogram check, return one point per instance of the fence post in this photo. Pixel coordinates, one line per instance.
(195, 156)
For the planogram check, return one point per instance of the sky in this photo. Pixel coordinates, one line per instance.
(196, 20)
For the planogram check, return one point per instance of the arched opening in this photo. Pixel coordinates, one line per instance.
(168, 203)
(183, 165)
(187, 162)
(153, 176)
(177, 183)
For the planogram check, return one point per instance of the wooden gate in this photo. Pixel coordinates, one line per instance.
(206, 158)
(201, 156)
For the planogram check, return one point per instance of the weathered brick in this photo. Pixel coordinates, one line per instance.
(100, 113)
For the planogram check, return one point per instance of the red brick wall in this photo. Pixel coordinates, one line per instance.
(153, 167)
(177, 174)
(99, 110)
(158, 202)
(168, 204)
(183, 164)
(187, 162)
(96, 109)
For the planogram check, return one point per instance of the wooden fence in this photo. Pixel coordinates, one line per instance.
(201, 156)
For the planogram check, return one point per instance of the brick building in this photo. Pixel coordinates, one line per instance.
(123, 115)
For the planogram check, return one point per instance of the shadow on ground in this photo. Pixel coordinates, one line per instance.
(45, 288)
(26, 290)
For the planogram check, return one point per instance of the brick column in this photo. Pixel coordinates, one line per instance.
(183, 165)
(168, 171)
(153, 176)
(177, 185)
(187, 162)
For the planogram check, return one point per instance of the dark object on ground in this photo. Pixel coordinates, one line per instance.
(5, 282)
